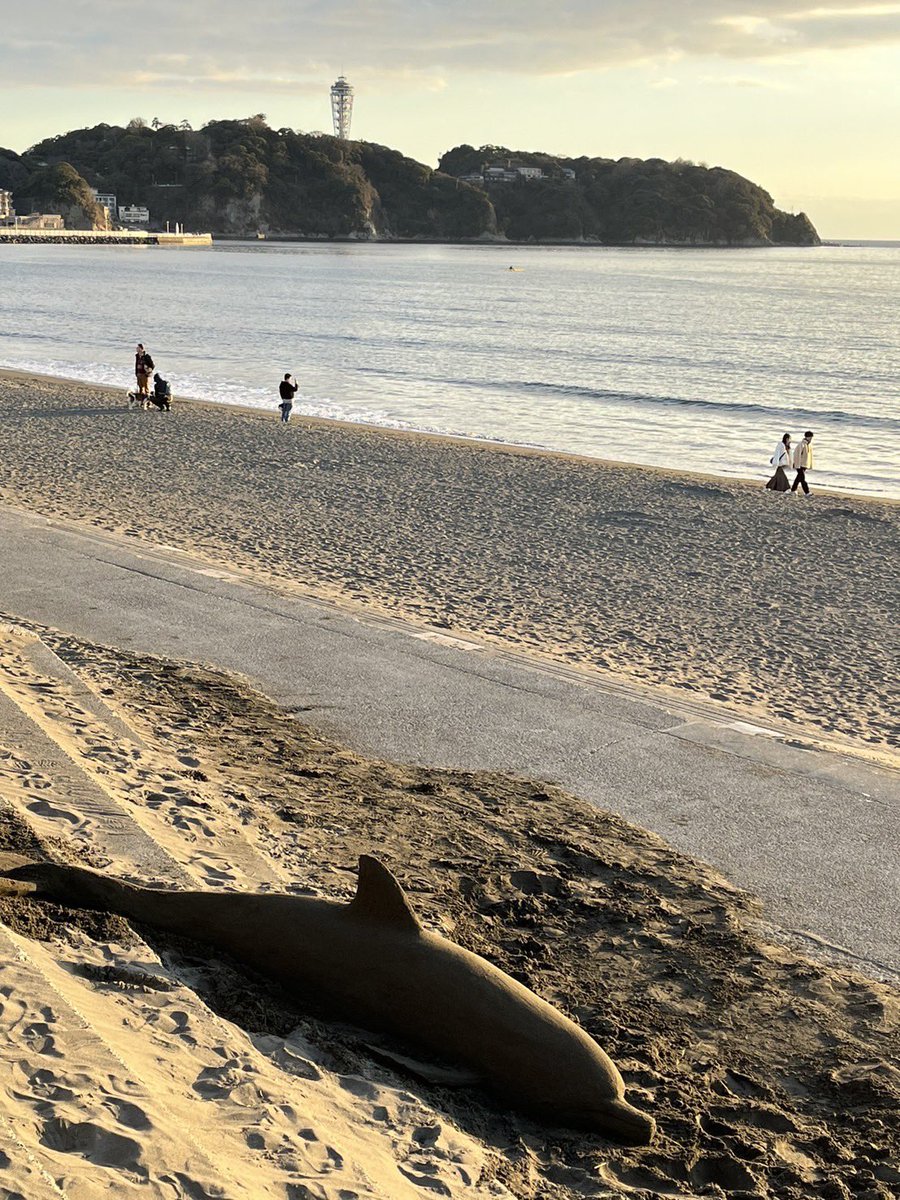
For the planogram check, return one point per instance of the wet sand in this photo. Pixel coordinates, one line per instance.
(780, 607)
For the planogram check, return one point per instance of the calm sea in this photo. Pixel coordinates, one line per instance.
(686, 358)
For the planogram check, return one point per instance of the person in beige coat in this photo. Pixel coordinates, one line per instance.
(803, 461)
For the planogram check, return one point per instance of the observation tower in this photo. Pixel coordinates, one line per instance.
(341, 107)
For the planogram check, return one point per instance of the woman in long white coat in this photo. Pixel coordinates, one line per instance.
(781, 461)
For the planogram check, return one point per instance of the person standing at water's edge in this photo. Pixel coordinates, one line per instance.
(780, 460)
(287, 389)
(803, 462)
(143, 369)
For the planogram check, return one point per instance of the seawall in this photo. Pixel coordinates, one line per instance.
(96, 237)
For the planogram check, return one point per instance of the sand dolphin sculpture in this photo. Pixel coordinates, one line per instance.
(373, 960)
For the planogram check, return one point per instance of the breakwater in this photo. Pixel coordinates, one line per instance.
(92, 237)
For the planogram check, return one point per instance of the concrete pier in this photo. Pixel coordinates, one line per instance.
(97, 237)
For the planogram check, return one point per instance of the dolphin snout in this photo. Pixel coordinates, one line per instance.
(626, 1123)
(615, 1119)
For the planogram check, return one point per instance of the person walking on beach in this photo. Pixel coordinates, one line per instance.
(143, 369)
(803, 462)
(780, 460)
(287, 389)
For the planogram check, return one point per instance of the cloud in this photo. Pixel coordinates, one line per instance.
(280, 45)
(743, 81)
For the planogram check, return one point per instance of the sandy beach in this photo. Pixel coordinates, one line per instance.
(139, 1062)
(782, 608)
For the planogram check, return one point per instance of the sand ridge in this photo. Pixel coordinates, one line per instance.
(773, 605)
(771, 1076)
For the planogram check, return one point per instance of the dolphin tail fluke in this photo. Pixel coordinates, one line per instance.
(54, 881)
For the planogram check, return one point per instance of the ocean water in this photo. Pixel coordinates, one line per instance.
(696, 359)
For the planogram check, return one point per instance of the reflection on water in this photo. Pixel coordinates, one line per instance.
(694, 359)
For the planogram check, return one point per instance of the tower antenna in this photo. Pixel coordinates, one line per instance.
(341, 107)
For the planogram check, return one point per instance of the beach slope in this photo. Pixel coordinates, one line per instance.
(777, 606)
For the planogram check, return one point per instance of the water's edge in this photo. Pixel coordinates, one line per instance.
(116, 394)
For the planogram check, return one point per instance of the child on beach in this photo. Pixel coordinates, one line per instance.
(287, 389)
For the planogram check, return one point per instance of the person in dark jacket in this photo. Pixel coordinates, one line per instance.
(162, 393)
(143, 367)
(287, 389)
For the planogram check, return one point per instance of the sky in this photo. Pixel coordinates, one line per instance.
(802, 98)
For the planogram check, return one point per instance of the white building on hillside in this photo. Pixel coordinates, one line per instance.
(510, 173)
(134, 214)
(7, 212)
(105, 199)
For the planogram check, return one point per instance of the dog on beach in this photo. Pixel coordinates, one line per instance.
(136, 400)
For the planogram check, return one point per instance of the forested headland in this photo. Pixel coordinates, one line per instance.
(242, 178)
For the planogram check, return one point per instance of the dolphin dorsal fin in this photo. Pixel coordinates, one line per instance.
(379, 897)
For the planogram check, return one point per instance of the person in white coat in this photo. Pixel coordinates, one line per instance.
(803, 461)
(781, 460)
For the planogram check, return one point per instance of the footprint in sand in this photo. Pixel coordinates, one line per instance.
(11, 761)
(234, 1080)
(40, 1039)
(427, 1135)
(730, 1175)
(357, 1086)
(191, 827)
(212, 876)
(44, 1085)
(132, 1116)
(22, 772)
(36, 783)
(104, 752)
(213, 871)
(43, 808)
(734, 1083)
(93, 1142)
(760, 1116)
(175, 1023)
(12, 1009)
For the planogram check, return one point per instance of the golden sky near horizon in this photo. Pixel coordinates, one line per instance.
(804, 100)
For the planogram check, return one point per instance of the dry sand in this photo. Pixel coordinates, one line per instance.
(781, 607)
(135, 1063)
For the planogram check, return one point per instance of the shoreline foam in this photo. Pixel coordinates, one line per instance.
(775, 606)
(115, 393)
